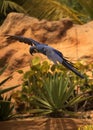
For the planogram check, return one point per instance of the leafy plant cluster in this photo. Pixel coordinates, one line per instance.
(52, 90)
(78, 10)
(86, 127)
(6, 106)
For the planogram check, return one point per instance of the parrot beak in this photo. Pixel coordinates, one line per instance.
(33, 50)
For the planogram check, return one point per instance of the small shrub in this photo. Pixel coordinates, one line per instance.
(86, 127)
(56, 97)
(40, 72)
(6, 109)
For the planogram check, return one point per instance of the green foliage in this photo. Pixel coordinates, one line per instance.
(6, 107)
(44, 81)
(86, 127)
(7, 6)
(78, 10)
(88, 6)
(74, 4)
(52, 9)
(56, 96)
(32, 79)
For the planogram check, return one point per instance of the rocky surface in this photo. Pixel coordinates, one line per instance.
(17, 54)
(74, 41)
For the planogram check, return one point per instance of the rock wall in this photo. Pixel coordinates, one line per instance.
(74, 41)
(16, 54)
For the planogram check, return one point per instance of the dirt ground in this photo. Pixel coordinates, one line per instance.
(44, 124)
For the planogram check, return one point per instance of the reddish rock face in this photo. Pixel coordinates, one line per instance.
(74, 41)
(16, 54)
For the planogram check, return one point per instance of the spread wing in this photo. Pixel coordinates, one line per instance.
(28, 41)
(51, 53)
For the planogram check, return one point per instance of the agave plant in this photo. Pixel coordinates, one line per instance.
(56, 98)
(6, 107)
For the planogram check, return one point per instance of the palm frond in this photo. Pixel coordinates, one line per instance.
(88, 6)
(6, 79)
(50, 9)
(9, 5)
(8, 89)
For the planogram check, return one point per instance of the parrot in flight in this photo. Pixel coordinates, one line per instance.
(52, 54)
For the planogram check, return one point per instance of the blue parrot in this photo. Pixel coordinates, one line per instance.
(53, 54)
